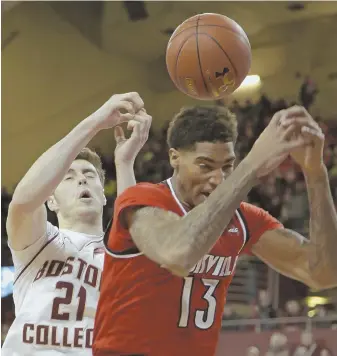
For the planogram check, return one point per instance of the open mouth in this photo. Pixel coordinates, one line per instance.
(206, 194)
(85, 195)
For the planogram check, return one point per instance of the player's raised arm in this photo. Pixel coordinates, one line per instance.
(127, 149)
(179, 243)
(311, 261)
(27, 215)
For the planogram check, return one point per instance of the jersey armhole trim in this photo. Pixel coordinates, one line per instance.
(34, 257)
(242, 216)
(128, 253)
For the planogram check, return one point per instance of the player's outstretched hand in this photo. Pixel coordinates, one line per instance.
(127, 149)
(309, 157)
(278, 140)
(118, 109)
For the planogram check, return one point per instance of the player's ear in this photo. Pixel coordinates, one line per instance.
(52, 204)
(174, 158)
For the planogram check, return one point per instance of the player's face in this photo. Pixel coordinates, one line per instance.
(80, 194)
(201, 170)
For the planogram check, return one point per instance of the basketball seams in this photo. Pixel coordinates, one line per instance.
(218, 44)
(199, 59)
(177, 34)
(225, 27)
(210, 34)
(178, 54)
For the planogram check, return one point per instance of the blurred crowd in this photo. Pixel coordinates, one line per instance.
(263, 309)
(302, 340)
(279, 345)
(282, 193)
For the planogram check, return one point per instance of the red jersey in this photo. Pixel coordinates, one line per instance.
(144, 309)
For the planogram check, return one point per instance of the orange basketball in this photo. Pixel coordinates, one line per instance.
(208, 56)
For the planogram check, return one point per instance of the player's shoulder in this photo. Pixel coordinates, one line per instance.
(257, 216)
(146, 194)
(251, 209)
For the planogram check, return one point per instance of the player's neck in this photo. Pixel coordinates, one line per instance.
(88, 227)
(179, 192)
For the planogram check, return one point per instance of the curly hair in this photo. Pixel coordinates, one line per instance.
(201, 124)
(92, 157)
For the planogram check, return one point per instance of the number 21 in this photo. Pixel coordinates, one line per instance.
(67, 300)
(203, 319)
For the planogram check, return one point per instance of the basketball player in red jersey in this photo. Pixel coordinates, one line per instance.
(173, 247)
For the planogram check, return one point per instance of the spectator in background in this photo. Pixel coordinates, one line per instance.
(253, 351)
(308, 92)
(228, 315)
(309, 347)
(321, 312)
(295, 210)
(270, 196)
(293, 309)
(278, 345)
(265, 309)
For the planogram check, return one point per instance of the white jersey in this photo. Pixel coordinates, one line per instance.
(56, 290)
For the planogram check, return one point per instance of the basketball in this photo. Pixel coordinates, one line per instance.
(208, 56)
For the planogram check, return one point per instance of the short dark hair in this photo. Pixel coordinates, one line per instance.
(92, 157)
(201, 124)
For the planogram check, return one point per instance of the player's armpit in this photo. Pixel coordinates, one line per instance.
(151, 231)
(292, 255)
(24, 227)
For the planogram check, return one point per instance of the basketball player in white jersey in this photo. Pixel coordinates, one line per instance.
(58, 270)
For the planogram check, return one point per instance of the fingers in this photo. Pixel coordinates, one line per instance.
(295, 114)
(299, 141)
(313, 132)
(126, 107)
(148, 121)
(313, 135)
(135, 126)
(296, 111)
(289, 132)
(140, 126)
(305, 136)
(296, 125)
(276, 118)
(299, 121)
(119, 134)
(134, 98)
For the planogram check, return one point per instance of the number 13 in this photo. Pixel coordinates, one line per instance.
(203, 319)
